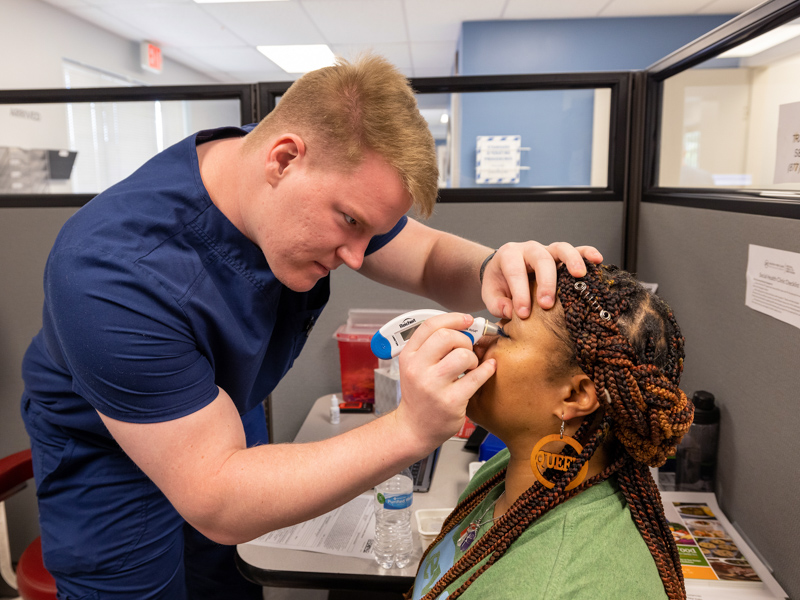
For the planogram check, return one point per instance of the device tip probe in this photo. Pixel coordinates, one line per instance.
(494, 329)
(481, 327)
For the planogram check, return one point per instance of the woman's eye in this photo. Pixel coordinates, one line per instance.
(349, 220)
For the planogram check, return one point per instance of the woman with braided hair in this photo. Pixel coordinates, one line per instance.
(586, 398)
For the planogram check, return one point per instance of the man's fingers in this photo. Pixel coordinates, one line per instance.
(545, 270)
(591, 254)
(448, 321)
(516, 278)
(474, 379)
(506, 286)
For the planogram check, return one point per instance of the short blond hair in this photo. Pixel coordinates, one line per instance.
(348, 109)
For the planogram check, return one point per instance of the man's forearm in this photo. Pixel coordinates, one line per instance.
(451, 273)
(265, 488)
(433, 264)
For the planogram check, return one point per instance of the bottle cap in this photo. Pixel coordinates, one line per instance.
(705, 411)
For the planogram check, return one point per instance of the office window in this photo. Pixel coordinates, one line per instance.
(729, 122)
(560, 137)
(85, 147)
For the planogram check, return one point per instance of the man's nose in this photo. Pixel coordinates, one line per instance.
(352, 254)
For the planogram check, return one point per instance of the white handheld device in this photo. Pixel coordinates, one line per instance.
(390, 339)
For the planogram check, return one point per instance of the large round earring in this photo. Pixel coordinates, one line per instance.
(541, 460)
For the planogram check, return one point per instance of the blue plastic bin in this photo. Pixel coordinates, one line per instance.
(490, 446)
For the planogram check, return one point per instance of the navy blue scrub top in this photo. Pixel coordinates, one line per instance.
(153, 299)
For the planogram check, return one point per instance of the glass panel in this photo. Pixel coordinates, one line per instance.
(521, 139)
(733, 122)
(84, 148)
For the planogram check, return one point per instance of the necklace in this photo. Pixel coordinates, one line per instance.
(469, 534)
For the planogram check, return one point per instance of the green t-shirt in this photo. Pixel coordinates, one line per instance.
(586, 548)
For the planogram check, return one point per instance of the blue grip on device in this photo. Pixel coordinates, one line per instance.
(380, 346)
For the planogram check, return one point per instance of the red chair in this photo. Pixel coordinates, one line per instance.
(31, 580)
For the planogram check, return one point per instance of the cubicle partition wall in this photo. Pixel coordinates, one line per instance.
(716, 180)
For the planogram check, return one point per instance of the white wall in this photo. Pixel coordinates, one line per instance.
(36, 36)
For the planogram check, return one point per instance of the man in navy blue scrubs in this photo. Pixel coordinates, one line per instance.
(177, 299)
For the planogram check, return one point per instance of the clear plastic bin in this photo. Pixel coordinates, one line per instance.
(429, 524)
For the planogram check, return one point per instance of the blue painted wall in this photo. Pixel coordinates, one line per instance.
(556, 125)
(576, 45)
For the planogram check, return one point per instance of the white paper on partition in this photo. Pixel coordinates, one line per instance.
(773, 283)
(346, 531)
(761, 587)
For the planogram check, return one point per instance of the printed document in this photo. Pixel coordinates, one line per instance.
(346, 531)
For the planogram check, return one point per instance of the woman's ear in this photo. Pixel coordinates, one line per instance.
(285, 150)
(582, 400)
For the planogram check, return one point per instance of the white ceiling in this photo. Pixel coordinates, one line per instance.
(418, 36)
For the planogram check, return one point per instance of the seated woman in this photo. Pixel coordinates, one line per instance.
(585, 397)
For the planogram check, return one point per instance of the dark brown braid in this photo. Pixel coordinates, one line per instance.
(628, 342)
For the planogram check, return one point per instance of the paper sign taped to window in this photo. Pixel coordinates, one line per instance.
(787, 157)
(773, 283)
(497, 159)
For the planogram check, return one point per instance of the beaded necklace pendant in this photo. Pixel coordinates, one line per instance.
(466, 539)
(469, 534)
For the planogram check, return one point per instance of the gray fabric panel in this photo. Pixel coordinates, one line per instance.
(749, 360)
(26, 236)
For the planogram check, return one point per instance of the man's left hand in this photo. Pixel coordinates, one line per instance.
(506, 290)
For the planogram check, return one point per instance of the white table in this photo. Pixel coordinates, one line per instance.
(300, 569)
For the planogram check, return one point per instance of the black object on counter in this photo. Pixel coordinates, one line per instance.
(696, 458)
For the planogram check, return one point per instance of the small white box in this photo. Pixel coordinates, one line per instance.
(429, 524)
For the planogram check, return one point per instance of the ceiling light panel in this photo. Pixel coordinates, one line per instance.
(299, 59)
(231, 1)
(763, 42)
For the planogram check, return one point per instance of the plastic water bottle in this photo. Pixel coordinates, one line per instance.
(393, 542)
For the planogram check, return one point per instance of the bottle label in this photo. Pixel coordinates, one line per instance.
(398, 502)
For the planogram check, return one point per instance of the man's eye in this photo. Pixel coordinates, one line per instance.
(349, 220)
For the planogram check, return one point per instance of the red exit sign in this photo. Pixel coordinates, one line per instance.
(150, 57)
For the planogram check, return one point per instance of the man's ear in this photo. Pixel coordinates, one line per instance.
(282, 153)
(582, 398)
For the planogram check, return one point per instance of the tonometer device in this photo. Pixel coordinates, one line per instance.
(390, 339)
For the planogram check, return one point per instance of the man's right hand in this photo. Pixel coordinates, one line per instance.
(435, 395)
